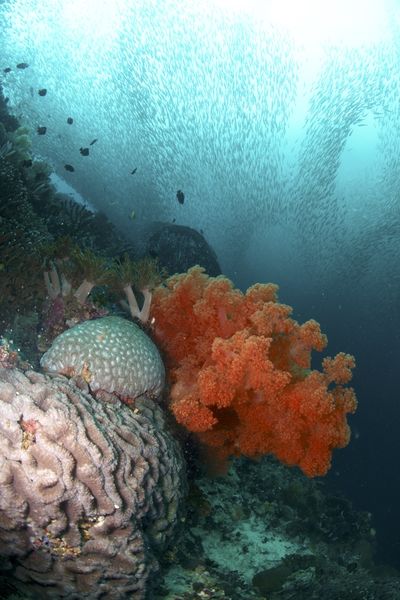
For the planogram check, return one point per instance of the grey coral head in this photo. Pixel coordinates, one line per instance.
(90, 491)
(111, 354)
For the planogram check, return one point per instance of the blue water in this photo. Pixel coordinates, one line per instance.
(284, 136)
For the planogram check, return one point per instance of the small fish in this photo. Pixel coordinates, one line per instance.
(41, 130)
(180, 196)
(93, 142)
(27, 163)
(84, 151)
(22, 65)
(7, 70)
(173, 220)
(132, 216)
(42, 92)
(69, 168)
(70, 120)
(134, 171)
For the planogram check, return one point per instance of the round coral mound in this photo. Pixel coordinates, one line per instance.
(111, 354)
(89, 489)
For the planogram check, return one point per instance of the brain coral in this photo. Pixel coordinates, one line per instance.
(111, 354)
(89, 489)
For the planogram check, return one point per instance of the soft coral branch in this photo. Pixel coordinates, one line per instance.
(240, 372)
(83, 291)
(137, 313)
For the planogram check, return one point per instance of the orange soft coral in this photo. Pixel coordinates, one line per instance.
(240, 372)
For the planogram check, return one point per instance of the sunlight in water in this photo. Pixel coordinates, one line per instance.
(349, 22)
(91, 17)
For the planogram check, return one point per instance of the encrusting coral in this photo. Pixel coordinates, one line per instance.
(90, 490)
(240, 373)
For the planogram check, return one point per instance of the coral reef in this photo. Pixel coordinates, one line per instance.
(265, 531)
(77, 221)
(88, 229)
(240, 373)
(66, 306)
(8, 356)
(92, 268)
(21, 144)
(21, 235)
(111, 354)
(9, 122)
(141, 275)
(70, 275)
(90, 490)
(32, 216)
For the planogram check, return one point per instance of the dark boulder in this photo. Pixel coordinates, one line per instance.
(178, 248)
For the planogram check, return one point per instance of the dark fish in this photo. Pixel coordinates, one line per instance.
(84, 151)
(42, 92)
(22, 65)
(93, 142)
(180, 196)
(27, 163)
(70, 120)
(134, 171)
(41, 130)
(173, 220)
(69, 168)
(7, 70)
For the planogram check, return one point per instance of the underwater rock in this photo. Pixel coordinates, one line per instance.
(271, 580)
(178, 248)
